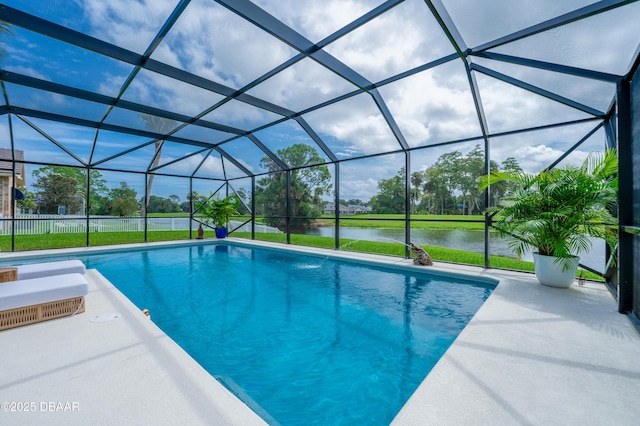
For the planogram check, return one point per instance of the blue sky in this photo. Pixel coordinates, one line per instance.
(208, 40)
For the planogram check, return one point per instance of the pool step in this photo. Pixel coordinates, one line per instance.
(235, 389)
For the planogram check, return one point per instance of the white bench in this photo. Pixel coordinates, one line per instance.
(33, 300)
(37, 270)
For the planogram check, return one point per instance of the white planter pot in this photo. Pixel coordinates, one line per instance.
(551, 273)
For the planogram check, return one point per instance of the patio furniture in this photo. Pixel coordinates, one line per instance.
(34, 300)
(8, 274)
(38, 270)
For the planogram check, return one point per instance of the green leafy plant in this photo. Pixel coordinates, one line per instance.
(557, 211)
(217, 212)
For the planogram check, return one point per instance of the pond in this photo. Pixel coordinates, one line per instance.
(461, 239)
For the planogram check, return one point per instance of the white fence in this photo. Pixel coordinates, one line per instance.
(53, 224)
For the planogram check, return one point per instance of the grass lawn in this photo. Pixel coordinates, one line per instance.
(178, 214)
(395, 249)
(53, 241)
(397, 221)
(380, 220)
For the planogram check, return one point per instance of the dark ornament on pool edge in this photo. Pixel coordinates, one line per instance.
(200, 232)
(422, 257)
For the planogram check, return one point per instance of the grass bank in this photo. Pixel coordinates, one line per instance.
(397, 221)
(55, 241)
(379, 220)
(394, 249)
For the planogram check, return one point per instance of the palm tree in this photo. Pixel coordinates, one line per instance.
(5, 30)
(417, 178)
(157, 125)
(558, 211)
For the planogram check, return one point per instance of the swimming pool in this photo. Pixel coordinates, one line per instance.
(301, 339)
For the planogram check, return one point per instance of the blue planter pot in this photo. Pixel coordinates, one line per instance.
(221, 232)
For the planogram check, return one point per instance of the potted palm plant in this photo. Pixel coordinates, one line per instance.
(217, 212)
(556, 213)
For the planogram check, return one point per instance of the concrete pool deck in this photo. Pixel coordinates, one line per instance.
(531, 355)
(116, 372)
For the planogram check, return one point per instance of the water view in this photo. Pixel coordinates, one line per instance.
(461, 239)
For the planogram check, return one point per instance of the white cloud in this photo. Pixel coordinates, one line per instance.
(211, 42)
(586, 43)
(594, 93)
(480, 22)
(212, 166)
(241, 115)
(189, 158)
(537, 150)
(316, 20)
(111, 83)
(214, 43)
(361, 189)
(347, 153)
(22, 52)
(357, 123)
(359, 178)
(131, 25)
(370, 133)
(433, 106)
(508, 107)
(301, 86)
(531, 157)
(156, 90)
(400, 39)
(30, 71)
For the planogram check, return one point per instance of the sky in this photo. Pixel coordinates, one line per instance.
(208, 40)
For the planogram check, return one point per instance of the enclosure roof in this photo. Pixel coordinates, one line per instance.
(225, 85)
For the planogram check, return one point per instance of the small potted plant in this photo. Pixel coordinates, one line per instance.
(556, 213)
(217, 212)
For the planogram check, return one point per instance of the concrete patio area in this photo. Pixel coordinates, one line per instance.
(532, 355)
(535, 355)
(123, 371)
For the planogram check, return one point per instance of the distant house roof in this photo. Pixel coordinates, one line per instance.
(5, 161)
(352, 209)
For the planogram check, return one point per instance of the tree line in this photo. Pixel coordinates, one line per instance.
(449, 186)
(63, 190)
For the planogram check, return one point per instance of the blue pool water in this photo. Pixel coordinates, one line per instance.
(302, 339)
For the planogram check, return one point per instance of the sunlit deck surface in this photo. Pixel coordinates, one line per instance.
(531, 355)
